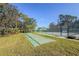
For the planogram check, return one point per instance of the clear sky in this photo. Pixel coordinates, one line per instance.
(46, 13)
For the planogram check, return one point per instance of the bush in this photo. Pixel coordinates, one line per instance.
(2, 32)
(71, 37)
(13, 30)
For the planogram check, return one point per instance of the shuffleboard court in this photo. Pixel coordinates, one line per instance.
(37, 40)
(34, 43)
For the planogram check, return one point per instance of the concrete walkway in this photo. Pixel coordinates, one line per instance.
(37, 40)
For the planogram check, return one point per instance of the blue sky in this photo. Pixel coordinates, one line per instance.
(45, 13)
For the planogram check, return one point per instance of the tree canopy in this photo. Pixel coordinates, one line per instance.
(10, 23)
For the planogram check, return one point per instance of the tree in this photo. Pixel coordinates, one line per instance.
(29, 24)
(8, 17)
(66, 21)
(53, 27)
(61, 23)
(75, 26)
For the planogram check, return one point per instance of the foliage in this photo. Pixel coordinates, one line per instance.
(53, 27)
(66, 21)
(29, 24)
(10, 21)
(8, 17)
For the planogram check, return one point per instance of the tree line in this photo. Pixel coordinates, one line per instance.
(12, 21)
(66, 23)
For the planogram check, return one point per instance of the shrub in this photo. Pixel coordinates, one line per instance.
(71, 37)
(13, 30)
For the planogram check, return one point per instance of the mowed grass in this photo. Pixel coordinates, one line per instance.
(18, 45)
(15, 45)
(60, 47)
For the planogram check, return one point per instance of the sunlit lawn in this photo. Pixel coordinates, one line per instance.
(59, 47)
(15, 45)
(19, 45)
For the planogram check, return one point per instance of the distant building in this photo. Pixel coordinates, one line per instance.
(42, 29)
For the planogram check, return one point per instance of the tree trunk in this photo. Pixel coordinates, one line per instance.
(67, 30)
(60, 30)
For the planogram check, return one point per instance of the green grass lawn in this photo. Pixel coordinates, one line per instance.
(15, 45)
(19, 45)
(60, 47)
